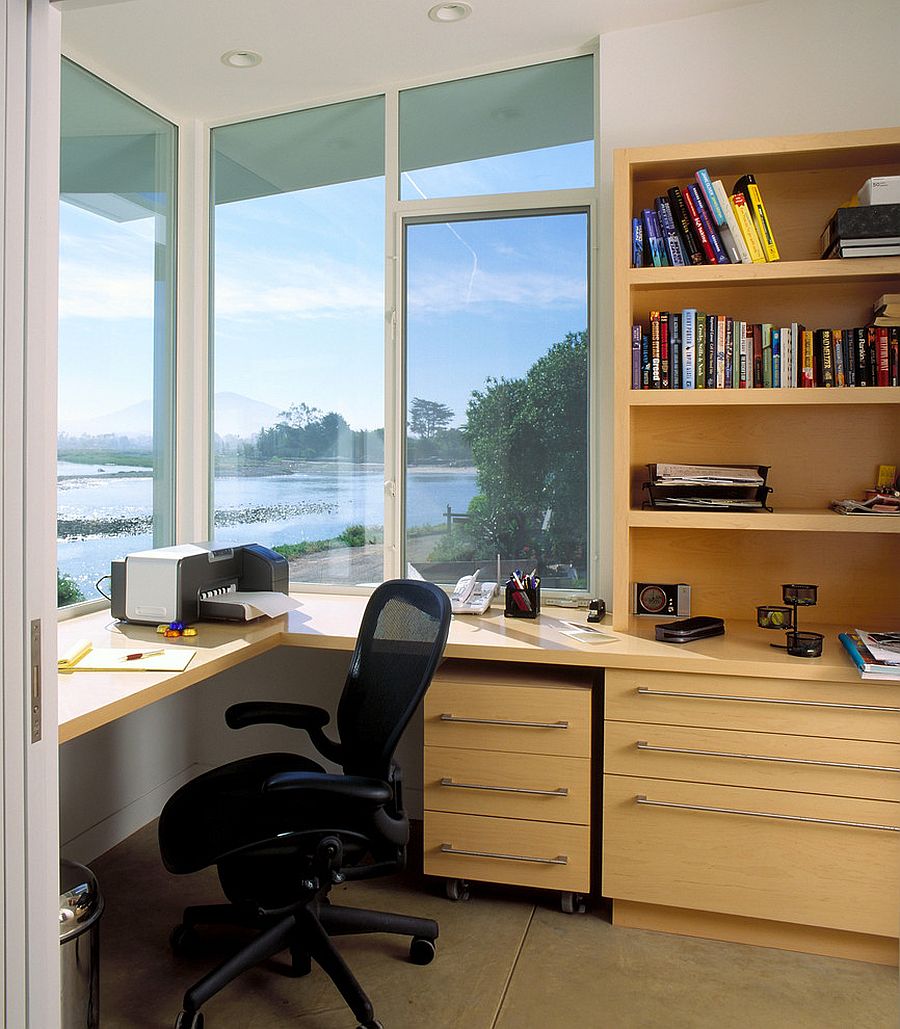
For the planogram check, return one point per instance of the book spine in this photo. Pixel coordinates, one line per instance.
(850, 369)
(681, 217)
(850, 647)
(862, 365)
(747, 185)
(837, 340)
(872, 355)
(675, 350)
(796, 355)
(720, 352)
(729, 353)
(645, 360)
(654, 238)
(688, 350)
(709, 227)
(709, 195)
(827, 344)
(882, 356)
(894, 354)
(700, 350)
(776, 358)
(670, 235)
(655, 368)
(698, 226)
(637, 243)
(711, 348)
(807, 366)
(745, 222)
(664, 349)
(635, 357)
(787, 368)
(766, 331)
(757, 378)
(736, 237)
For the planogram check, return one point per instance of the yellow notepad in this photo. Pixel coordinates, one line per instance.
(82, 657)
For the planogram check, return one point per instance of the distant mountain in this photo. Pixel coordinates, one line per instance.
(235, 415)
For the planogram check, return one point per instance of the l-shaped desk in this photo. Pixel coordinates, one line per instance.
(746, 795)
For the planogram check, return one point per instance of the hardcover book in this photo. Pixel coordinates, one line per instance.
(874, 223)
(693, 195)
(683, 223)
(698, 226)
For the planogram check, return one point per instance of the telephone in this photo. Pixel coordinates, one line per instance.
(471, 597)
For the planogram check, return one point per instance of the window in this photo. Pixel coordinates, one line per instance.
(299, 338)
(116, 329)
(496, 316)
(515, 131)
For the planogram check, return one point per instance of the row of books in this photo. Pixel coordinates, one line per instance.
(875, 654)
(703, 224)
(691, 349)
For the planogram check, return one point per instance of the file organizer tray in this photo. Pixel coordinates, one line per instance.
(710, 496)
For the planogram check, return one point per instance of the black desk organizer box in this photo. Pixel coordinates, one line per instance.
(659, 491)
(512, 610)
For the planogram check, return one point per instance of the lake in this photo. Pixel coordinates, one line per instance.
(310, 505)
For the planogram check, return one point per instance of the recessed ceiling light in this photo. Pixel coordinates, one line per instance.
(449, 12)
(241, 58)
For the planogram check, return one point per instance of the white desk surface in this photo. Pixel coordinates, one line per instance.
(331, 622)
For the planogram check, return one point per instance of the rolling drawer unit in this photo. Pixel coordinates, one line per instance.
(508, 778)
(761, 810)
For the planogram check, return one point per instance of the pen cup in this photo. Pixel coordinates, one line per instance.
(522, 603)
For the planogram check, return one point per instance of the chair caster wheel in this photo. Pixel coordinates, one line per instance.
(421, 951)
(457, 889)
(572, 903)
(182, 939)
(374, 1024)
(187, 1020)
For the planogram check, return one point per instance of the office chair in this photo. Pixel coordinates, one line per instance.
(282, 831)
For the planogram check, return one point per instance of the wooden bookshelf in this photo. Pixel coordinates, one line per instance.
(821, 444)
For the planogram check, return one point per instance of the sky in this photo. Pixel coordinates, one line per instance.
(299, 280)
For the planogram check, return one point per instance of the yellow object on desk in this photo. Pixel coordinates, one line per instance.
(83, 657)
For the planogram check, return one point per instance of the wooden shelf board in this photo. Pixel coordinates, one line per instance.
(778, 273)
(762, 397)
(813, 520)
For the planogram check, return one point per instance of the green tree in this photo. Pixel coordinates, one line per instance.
(529, 444)
(427, 417)
(67, 591)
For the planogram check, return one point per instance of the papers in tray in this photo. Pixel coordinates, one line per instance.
(253, 604)
(83, 657)
(708, 475)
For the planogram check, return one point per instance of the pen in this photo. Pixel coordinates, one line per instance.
(143, 653)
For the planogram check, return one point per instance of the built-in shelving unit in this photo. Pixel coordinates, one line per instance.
(820, 444)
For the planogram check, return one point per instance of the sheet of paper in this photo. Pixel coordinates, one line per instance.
(113, 659)
(585, 634)
(260, 603)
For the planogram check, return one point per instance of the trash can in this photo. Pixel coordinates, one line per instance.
(80, 908)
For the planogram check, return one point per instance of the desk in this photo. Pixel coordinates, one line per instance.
(768, 775)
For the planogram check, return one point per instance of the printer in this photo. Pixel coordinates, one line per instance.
(188, 582)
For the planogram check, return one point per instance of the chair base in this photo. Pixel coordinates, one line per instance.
(306, 933)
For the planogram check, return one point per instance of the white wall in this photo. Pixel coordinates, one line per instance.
(778, 68)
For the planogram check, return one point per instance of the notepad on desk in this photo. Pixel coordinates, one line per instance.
(82, 656)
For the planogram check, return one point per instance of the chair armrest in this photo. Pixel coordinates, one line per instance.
(349, 787)
(295, 716)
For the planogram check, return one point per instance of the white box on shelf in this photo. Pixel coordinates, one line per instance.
(881, 189)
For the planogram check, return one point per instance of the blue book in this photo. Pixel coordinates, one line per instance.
(776, 358)
(674, 249)
(688, 345)
(654, 238)
(637, 243)
(869, 667)
(635, 357)
(709, 195)
(645, 361)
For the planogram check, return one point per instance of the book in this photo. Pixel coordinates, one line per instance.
(700, 350)
(745, 223)
(746, 361)
(720, 352)
(824, 354)
(861, 359)
(693, 195)
(807, 359)
(683, 223)
(697, 225)
(654, 239)
(776, 358)
(674, 250)
(882, 357)
(894, 355)
(868, 665)
(688, 352)
(756, 355)
(637, 243)
(873, 250)
(746, 184)
(837, 337)
(635, 357)
(675, 350)
(663, 349)
(734, 240)
(717, 215)
(729, 353)
(888, 304)
(766, 333)
(645, 361)
(655, 356)
(878, 222)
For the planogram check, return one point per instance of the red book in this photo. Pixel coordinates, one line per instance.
(882, 358)
(699, 231)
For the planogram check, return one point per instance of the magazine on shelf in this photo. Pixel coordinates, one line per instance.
(707, 475)
(868, 665)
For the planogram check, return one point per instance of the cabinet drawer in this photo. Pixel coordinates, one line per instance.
(808, 764)
(508, 850)
(522, 719)
(864, 711)
(743, 861)
(537, 786)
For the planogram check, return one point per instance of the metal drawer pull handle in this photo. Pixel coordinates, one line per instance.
(641, 799)
(646, 691)
(505, 721)
(448, 848)
(644, 745)
(561, 792)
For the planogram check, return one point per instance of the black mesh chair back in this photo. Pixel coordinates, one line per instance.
(400, 643)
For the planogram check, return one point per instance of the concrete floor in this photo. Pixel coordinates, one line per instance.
(506, 960)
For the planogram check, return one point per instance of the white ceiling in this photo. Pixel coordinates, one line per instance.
(167, 52)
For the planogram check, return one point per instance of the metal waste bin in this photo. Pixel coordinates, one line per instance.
(80, 908)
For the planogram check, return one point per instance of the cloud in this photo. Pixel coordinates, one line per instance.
(438, 293)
